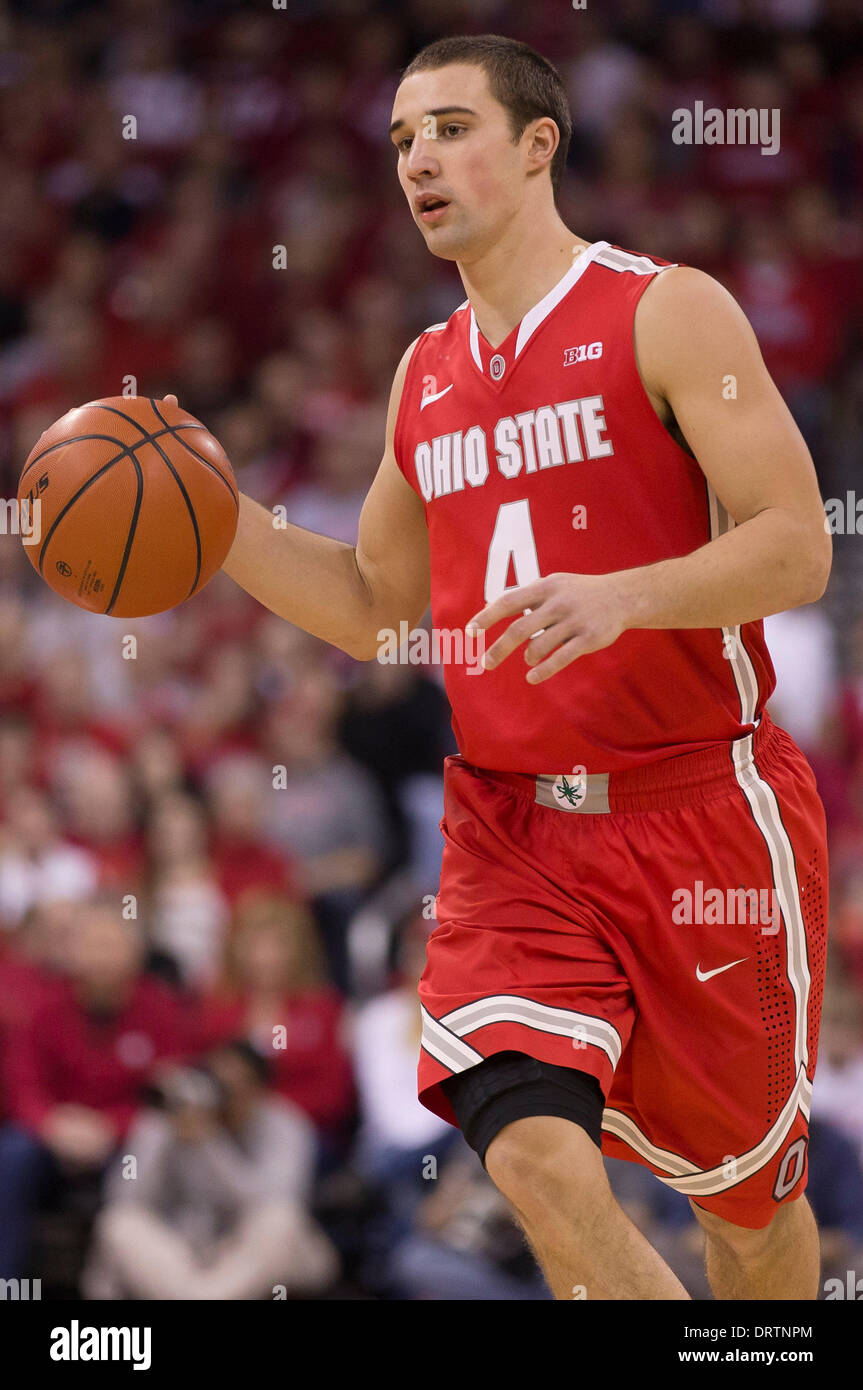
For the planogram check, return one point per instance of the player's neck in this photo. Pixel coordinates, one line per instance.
(504, 282)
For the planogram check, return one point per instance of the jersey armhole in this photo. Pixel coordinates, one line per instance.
(398, 432)
(640, 289)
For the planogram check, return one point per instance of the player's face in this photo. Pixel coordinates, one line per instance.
(460, 170)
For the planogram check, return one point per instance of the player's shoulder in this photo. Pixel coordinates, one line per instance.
(621, 261)
(673, 283)
(662, 286)
(687, 324)
(688, 300)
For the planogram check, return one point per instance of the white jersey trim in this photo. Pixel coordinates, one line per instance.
(693, 1182)
(540, 312)
(768, 817)
(445, 1046)
(544, 1018)
(733, 645)
(535, 316)
(615, 259)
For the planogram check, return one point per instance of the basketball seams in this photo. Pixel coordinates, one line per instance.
(55, 536)
(182, 486)
(67, 506)
(133, 526)
(76, 439)
(191, 510)
(149, 438)
(186, 445)
(109, 439)
(200, 458)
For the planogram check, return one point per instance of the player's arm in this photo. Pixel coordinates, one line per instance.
(698, 353)
(342, 593)
(699, 359)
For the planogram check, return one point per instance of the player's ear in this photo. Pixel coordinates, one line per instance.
(543, 138)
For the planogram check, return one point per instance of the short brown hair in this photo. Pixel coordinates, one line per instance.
(290, 920)
(525, 84)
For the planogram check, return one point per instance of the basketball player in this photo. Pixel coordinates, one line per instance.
(589, 462)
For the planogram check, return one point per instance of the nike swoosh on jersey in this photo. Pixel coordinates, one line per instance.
(427, 400)
(708, 974)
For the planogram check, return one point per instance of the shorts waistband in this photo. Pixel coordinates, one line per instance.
(686, 780)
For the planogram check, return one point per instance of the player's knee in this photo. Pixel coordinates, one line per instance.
(744, 1241)
(535, 1126)
(544, 1162)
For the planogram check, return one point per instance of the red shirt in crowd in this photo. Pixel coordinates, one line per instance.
(247, 864)
(23, 988)
(65, 1055)
(313, 1068)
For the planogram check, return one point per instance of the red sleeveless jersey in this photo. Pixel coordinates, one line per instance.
(544, 455)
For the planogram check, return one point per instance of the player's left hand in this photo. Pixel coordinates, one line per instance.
(561, 617)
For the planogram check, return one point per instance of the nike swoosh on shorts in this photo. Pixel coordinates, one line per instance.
(708, 974)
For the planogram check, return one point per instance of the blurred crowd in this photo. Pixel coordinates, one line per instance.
(219, 843)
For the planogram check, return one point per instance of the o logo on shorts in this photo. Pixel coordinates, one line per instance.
(790, 1169)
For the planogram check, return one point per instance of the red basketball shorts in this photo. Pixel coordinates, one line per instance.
(663, 929)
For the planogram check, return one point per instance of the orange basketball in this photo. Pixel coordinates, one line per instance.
(138, 506)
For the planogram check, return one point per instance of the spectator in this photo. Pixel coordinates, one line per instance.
(75, 1074)
(324, 809)
(32, 960)
(837, 1095)
(277, 998)
(76, 1066)
(222, 714)
(95, 793)
(217, 1204)
(396, 722)
(187, 908)
(835, 1190)
(237, 795)
(36, 865)
(803, 650)
(397, 1132)
(345, 461)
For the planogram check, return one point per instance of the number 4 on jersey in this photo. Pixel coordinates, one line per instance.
(512, 544)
